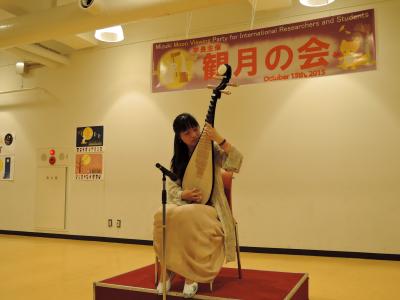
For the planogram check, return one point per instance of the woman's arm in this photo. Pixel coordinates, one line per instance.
(174, 193)
(213, 135)
(178, 196)
(228, 157)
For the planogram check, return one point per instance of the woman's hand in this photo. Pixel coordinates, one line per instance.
(193, 195)
(212, 134)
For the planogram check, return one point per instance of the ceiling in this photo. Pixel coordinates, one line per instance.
(46, 32)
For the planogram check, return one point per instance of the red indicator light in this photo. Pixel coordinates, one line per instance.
(52, 160)
(52, 151)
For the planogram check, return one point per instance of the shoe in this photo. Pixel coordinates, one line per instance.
(190, 289)
(167, 285)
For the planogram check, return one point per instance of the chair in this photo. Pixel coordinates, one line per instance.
(227, 178)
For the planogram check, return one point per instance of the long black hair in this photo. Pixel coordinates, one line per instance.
(180, 159)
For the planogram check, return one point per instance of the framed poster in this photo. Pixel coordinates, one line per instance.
(6, 167)
(89, 166)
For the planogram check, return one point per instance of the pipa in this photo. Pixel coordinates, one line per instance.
(199, 172)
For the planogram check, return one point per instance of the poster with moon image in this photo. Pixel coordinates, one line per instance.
(6, 167)
(7, 143)
(89, 156)
(89, 136)
(89, 166)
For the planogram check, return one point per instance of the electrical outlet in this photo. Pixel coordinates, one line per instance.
(110, 222)
(119, 223)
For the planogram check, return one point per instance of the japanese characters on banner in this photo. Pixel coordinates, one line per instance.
(89, 156)
(7, 148)
(327, 46)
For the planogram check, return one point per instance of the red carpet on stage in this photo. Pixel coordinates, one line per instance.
(255, 285)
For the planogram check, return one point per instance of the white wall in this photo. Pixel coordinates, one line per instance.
(321, 168)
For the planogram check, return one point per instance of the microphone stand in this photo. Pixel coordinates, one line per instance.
(164, 226)
(164, 248)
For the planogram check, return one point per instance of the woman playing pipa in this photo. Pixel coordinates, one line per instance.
(200, 226)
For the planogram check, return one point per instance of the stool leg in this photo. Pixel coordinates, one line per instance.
(238, 251)
(211, 286)
(156, 272)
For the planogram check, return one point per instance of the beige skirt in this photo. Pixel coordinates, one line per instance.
(194, 239)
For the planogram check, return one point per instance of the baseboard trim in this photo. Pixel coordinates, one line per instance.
(326, 253)
(306, 252)
(78, 237)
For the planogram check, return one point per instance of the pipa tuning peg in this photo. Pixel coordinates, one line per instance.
(233, 84)
(226, 92)
(210, 86)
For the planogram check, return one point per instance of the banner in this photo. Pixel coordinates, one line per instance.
(327, 46)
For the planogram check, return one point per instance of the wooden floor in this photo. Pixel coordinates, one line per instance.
(34, 268)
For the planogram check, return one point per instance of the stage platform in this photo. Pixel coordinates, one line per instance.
(255, 285)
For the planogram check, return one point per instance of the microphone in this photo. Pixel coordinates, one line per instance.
(167, 172)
